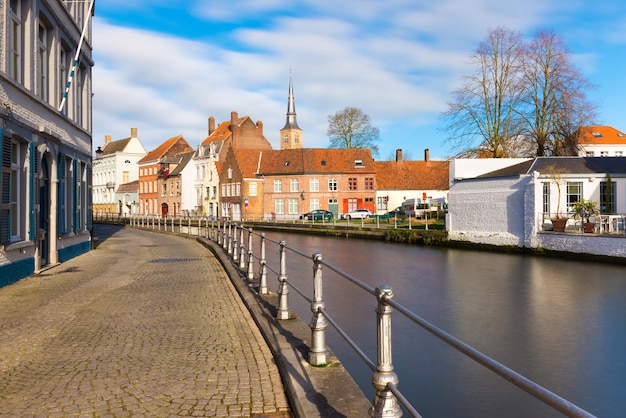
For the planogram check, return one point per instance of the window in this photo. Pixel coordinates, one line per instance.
(332, 185)
(358, 163)
(314, 185)
(314, 204)
(574, 194)
(13, 186)
(164, 192)
(296, 139)
(293, 206)
(278, 186)
(125, 177)
(545, 206)
(604, 153)
(293, 185)
(369, 183)
(230, 173)
(15, 41)
(215, 191)
(237, 189)
(43, 56)
(285, 140)
(252, 188)
(279, 206)
(589, 153)
(619, 153)
(607, 197)
(352, 183)
(381, 203)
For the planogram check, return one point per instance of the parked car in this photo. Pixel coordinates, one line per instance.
(357, 214)
(317, 214)
(396, 213)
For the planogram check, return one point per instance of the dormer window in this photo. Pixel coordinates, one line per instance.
(287, 163)
(323, 162)
(358, 163)
(596, 134)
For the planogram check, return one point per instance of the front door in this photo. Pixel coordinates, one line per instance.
(164, 210)
(44, 214)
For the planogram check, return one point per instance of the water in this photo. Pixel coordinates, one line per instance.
(558, 322)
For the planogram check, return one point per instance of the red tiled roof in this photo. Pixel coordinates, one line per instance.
(115, 146)
(316, 160)
(248, 161)
(601, 135)
(412, 175)
(162, 149)
(221, 133)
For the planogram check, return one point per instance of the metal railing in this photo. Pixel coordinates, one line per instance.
(613, 223)
(237, 241)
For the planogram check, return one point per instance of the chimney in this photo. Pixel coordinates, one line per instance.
(427, 155)
(259, 130)
(234, 118)
(211, 125)
(234, 128)
(133, 132)
(399, 155)
(107, 139)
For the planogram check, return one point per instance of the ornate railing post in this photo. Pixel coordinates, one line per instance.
(283, 289)
(229, 248)
(242, 250)
(218, 235)
(224, 240)
(318, 354)
(206, 228)
(250, 257)
(234, 249)
(263, 289)
(385, 403)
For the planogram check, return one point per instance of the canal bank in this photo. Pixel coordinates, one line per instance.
(327, 391)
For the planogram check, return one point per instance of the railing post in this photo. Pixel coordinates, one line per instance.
(250, 257)
(224, 240)
(229, 248)
(242, 250)
(318, 354)
(218, 236)
(188, 226)
(206, 228)
(283, 289)
(385, 403)
(234, 250)
(263, 289)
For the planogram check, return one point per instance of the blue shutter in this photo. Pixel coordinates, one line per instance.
(89, 198)
(61, 195)
(76, 215)
(5, 192)
(33, 187)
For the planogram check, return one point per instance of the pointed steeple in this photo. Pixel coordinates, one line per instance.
(291, 134)
(291, 122)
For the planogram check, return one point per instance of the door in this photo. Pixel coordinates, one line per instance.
(44, 214)
(164, 210)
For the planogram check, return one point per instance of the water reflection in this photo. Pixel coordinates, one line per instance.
(558, 322)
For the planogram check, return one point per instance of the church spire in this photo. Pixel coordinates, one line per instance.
(291, 122)
(291, 134)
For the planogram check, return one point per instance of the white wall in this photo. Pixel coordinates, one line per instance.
(463, 168)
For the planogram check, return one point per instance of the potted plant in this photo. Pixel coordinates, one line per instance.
(586, 209)
(558, 221)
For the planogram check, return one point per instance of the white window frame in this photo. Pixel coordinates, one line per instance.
(314, 185)
(294, 185)
(333, 185)
(279, 206)
(278, 186)
(293, 206)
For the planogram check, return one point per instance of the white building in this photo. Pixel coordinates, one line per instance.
(45, 131)
(601, 141)
(115, 164)
(513, 205)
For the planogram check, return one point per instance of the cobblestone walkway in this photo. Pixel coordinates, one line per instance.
(145, 325)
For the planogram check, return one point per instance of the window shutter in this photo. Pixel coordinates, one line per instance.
(34, 190)
(89, 198)
(61, 195)
(76, 215)
(5, 191)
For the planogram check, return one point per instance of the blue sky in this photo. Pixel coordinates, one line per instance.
(165, 66)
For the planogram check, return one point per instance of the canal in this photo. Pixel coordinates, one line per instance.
(560, 323)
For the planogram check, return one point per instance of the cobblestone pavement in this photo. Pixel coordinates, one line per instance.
(145, 325)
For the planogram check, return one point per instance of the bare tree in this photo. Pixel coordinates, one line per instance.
(482, 116)
(351, 128)
(555, 103)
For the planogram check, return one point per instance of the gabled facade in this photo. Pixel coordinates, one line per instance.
(237, 133)
(127, 195)
(241, 187)
(400, 180)
(174, 197)
(601, 141)
(155, 165)
(45, 134)
(300, 180)
(115, 164)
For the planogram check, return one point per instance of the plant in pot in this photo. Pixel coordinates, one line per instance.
(586, 209)
(559, 220)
